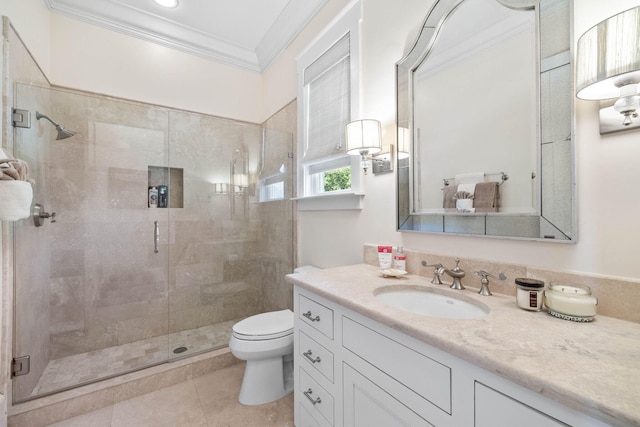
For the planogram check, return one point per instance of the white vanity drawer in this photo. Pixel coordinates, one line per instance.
(305, 419)
(315, 396)
(316, 315)
(316, 355)
(429, 379)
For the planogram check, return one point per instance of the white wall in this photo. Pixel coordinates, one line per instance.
(606, 171)
(31, 19)
(94, 59)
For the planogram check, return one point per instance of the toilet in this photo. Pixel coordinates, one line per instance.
(265, 341)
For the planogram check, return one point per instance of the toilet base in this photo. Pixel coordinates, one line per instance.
(265, 381)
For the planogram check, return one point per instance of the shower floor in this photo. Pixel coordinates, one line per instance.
(84, 368)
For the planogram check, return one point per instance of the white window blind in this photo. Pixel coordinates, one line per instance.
(328, 95)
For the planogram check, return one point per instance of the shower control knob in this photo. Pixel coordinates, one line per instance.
(39, 215)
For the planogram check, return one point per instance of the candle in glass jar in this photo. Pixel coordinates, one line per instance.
(571, 300)
(529, 294)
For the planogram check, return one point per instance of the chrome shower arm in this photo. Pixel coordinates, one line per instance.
(42, 116)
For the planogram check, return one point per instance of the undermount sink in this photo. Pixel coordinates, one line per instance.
(431, 302)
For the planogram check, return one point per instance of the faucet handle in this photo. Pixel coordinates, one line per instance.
(437, 271)
(484, 290)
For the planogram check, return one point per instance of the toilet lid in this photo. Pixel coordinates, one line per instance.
(274, 324)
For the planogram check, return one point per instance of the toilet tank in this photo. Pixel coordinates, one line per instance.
(305, 269)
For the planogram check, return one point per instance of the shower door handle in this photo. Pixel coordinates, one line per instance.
(156, 236)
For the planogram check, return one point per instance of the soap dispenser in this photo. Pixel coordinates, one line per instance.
(400, 260)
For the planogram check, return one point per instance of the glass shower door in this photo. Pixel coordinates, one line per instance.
(91, 288)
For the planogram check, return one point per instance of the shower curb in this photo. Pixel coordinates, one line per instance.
(68, 404)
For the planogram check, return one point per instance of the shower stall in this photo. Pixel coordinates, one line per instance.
(119, 280)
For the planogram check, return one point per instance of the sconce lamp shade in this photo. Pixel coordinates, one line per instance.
(221, 187)
(363, 136)
(241, 180)
(403, 143)
(608, 57)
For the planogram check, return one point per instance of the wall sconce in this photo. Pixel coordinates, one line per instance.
(403, 143)
(608, 68)
(363, 138)
(241, 181)
(221, 188)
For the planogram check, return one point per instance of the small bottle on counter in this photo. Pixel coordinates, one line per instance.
(529, 293)
(400, 260)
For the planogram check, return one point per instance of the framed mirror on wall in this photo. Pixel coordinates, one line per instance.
(485, 122)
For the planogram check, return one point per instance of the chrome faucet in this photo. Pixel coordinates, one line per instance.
(456, 273)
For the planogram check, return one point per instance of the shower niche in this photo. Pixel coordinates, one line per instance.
(169, 181)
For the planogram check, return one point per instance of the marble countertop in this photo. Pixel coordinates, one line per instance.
(591, 367)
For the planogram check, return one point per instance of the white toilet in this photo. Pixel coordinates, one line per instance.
(265, 341)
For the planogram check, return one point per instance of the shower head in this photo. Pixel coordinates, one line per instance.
(62, 132)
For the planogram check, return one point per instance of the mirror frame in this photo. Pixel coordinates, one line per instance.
(500, 225)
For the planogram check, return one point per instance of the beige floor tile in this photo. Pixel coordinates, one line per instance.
(99, 418)
(207, 401)
(229, 413)
(177, 405)
(221, 384)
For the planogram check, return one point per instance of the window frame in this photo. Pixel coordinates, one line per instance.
(347, 22)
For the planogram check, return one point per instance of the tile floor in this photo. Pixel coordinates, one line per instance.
(207, 401)
(88, 367)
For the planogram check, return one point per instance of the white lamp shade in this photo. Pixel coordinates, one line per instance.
(403, 143)
(241, 179)
(221, 187)
(363, 135)
(608, 56)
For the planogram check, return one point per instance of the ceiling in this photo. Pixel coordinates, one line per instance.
(244, 33)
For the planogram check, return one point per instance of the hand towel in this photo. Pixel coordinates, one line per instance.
(486, 197)
(15, 169)
(469, 188)
(448, 202)
(469, 178)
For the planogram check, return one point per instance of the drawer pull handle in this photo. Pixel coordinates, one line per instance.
(311, 399)
(308, 316)
(307, 354)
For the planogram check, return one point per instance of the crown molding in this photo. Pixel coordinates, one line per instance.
(118, 16)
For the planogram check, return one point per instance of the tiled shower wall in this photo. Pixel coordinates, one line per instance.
(108, 286)
(221, 256)
(279, 236)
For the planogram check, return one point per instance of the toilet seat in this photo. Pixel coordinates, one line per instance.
(265, 326)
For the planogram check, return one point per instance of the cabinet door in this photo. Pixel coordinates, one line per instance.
(366, 404)
(494, 409)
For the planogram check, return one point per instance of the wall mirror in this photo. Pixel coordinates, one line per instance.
(485, 122)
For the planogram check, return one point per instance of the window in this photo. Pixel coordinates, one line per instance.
(327, 94)
(329, 176)
(271, 189)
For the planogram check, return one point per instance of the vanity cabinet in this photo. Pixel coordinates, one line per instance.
(314, 364)
(352, 371)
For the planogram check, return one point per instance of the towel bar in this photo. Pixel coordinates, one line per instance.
(503, 178)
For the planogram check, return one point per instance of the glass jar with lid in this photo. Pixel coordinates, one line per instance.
(529, 293)
(570, 302)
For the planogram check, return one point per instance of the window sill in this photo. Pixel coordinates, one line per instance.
(330, 202)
